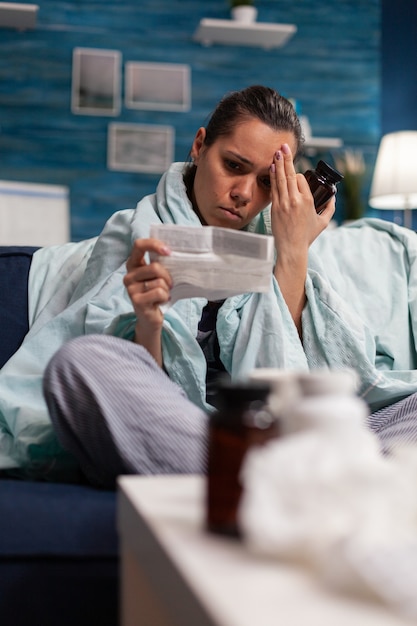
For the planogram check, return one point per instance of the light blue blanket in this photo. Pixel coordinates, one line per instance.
(360, 287)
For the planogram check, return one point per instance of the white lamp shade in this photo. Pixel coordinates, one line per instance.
(394, 183)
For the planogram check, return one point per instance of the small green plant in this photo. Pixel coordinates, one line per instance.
(240, 3)
(352, 165)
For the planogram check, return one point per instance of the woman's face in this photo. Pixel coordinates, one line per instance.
(232, 183)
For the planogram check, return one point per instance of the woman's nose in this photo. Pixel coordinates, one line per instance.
(242, 190)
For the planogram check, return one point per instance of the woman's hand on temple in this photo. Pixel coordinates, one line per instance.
(295, 222)
(148, 286)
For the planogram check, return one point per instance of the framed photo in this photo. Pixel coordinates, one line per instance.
(140, 147)
(157, 86)
(96, 81)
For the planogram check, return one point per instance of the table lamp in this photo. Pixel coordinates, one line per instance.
(394, 183)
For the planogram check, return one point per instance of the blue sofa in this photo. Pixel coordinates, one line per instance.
(58, 542)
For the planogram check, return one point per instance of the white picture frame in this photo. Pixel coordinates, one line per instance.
(146, 148)
(96, 81)
(157, 86)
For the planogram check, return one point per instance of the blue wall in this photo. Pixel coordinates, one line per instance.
(398, 65)
(398, 108)
(331, 67)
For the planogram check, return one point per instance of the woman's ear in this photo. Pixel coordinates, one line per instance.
(198, 144)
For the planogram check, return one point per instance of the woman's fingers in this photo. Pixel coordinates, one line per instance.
(153, 274)
(148, 293)
(141, 247)
(138, 270)
(328, 209)
(148, 284)
(284, 183)
(279, 178)
(290, 173)
(147, 296)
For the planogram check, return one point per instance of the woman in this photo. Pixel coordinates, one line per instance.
(241, 161)
(141, 405)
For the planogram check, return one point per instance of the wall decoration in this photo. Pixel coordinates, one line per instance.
(140, 147)
(96, 81)
(158, 86)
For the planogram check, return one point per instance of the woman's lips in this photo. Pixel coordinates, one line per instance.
(231, 214)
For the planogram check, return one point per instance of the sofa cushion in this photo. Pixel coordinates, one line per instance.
(14, 271)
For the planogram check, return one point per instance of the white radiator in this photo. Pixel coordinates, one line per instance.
(33, 214)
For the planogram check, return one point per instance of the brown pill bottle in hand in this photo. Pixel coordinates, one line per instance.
(243, 420)
(322, 182)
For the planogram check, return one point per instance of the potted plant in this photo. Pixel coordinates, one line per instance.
(243, 10)
(352, 165)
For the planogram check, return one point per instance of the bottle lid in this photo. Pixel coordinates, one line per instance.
(241, 392)
(321, 382)
(284, 386)
(329, 172)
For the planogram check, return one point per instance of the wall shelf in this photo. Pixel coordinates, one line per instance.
(234, 33)
(312, 145)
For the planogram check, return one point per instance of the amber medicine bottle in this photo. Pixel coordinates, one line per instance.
(322, 182)
(243, 420)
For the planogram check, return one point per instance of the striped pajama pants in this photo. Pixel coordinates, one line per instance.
(118, 412)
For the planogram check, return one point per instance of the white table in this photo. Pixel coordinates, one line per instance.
(174, 573)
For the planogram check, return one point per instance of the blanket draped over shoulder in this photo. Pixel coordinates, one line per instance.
(361, 312)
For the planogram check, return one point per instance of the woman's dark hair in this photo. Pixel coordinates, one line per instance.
(256, 101)
(264, 103)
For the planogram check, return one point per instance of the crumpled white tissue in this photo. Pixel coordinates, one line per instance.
(336, 504)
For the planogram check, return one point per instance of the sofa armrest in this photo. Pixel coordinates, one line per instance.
(14, 271)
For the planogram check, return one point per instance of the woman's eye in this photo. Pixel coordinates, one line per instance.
(266, 182)
(232, 165)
